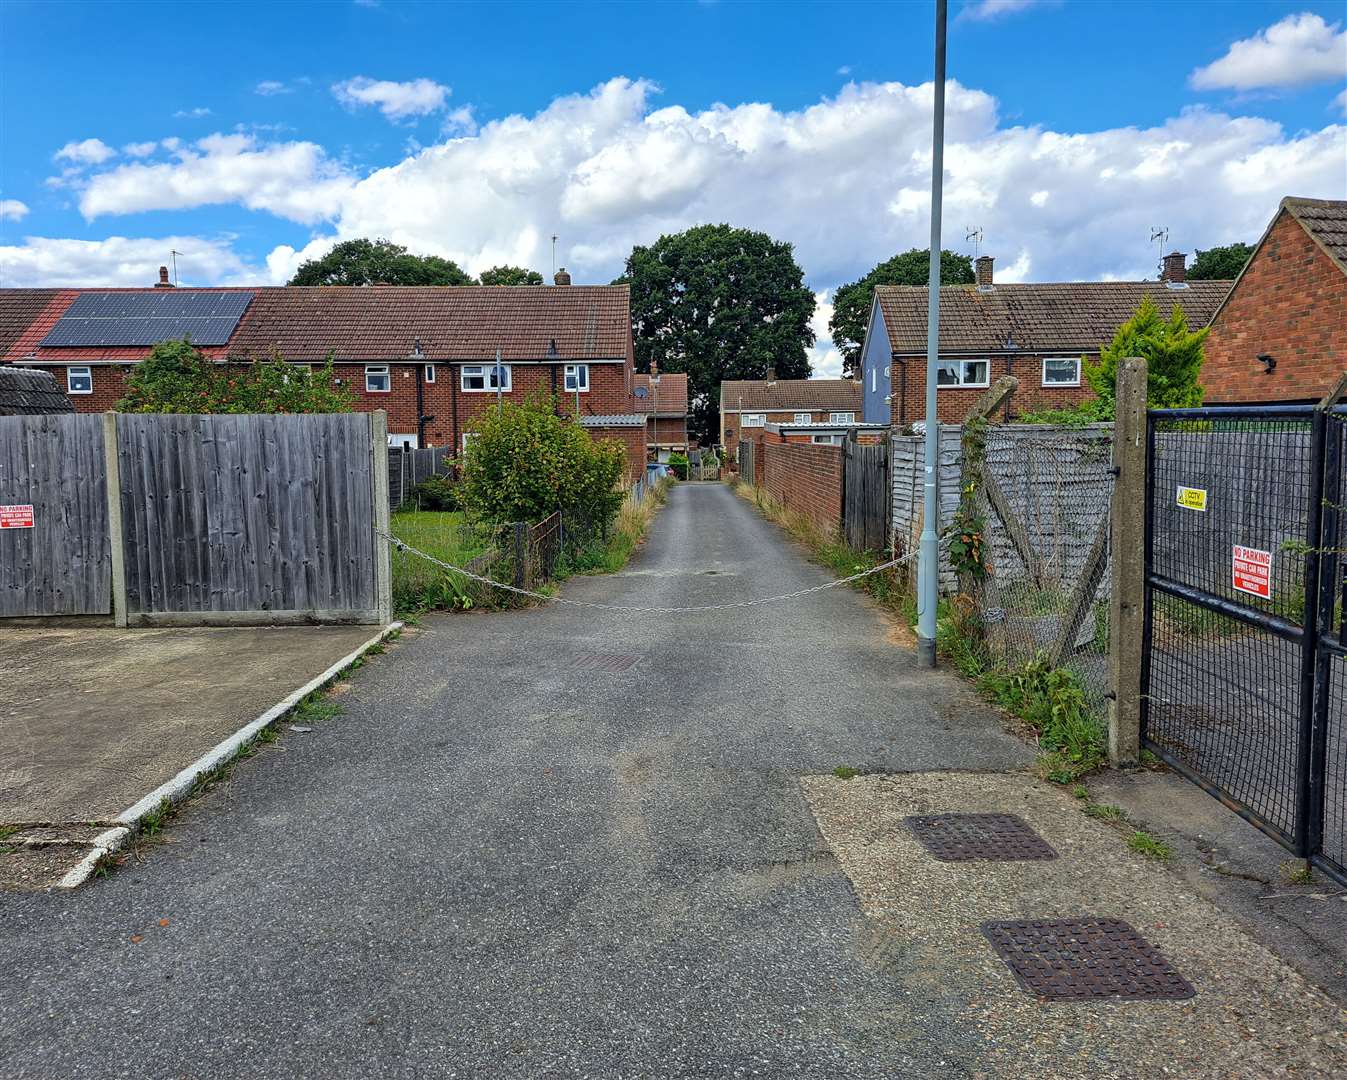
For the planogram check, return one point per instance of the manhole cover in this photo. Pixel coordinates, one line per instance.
(965, 837)
(1085, 959)
(613, 662)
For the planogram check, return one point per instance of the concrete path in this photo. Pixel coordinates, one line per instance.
(504, 861)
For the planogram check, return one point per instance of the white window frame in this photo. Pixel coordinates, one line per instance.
(753, 419)
(827, 440)
(467, 437)
(402, 440)
(579, 373)
(429, 373)
(1043, 371)
(85, 372)
(375, 371)
(842, 418)
(964, 383)
(485, 372)
(804, 418)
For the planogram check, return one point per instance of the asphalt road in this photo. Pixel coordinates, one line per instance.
(499, 862)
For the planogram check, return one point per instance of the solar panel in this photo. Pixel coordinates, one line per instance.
(96, 319)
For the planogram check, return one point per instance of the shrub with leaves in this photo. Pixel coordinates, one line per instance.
(678, 465)
(1173, 354)
(177, 378)
(436, 493)
(524, 462)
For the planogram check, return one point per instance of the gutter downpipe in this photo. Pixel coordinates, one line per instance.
(928, 567)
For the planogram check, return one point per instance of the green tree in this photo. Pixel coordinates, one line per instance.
(524, 462)
(177, 378)
(1220, 263)
(1173, 354)
(719, 303)
(510, 275)
(851, 303)
(373, 262)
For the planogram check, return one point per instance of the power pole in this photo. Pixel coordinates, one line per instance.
(928, 566)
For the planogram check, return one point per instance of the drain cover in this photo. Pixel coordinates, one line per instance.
(965, 837)
(613, 662)
(1085, 960)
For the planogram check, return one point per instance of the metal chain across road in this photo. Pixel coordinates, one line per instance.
(635, 609)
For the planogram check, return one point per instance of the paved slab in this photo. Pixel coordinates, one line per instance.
(505, 860)
(92, 720)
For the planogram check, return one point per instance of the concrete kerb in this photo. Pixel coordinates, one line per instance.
(176, 789)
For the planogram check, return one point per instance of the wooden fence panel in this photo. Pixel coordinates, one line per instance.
(63, 564)
(408, 467)
(248, 518)
(866, 508)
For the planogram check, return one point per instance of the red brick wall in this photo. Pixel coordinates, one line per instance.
(1291, 303)
(953, 404)
(109, 386)
(806, 479)
(732, 426)
(633, 442)
(668, 429)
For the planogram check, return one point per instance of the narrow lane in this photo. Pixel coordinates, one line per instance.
(501, 862)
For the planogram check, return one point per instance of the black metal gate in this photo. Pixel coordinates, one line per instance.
(1245, 644)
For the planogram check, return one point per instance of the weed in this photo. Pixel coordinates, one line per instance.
(153, 822)
(1105, 812)
(1143, 843)
(6, 831)
(375, 650)
(314, 709)
(845, 772)
(1080, 791)
(1297, 872)
(1053, 702)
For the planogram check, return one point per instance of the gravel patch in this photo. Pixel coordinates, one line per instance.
(1253, 1015)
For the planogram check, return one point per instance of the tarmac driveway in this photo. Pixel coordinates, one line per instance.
(552, 843)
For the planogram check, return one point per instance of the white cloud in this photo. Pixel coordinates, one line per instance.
(12, 210)
(86, 152)
(140, 149)
(824, 358)
(270, 88)
(1297, 50)
(1340, 103)
(985, 10)
(459, 122)
(844, 70)
(192, 114)
(121, 261)
(396, 100)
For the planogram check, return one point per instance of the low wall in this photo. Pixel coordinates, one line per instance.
(805, 479)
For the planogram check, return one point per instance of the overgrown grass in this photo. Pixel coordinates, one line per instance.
(419, 585)
(1143, 843)
(1052, 701)
(606, 555)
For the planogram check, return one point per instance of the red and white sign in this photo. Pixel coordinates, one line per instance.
(1252, 571)
(16, 516)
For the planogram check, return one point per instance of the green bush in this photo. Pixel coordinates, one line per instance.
(526, 462)
(436, 493)
(1053, 702)
(678, 465)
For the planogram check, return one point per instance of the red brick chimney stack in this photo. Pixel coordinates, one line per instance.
(163, 282)
(1175, 268)
(983, 270)
(561, 277)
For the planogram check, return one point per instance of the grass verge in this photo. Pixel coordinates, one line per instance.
(607, 555)
(419, 585)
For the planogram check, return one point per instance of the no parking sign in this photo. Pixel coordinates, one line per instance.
(1251, 571)
(16, 516)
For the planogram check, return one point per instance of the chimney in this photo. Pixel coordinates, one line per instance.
(1174, 268)
(561, 277)
(163, 282)
(984, 273)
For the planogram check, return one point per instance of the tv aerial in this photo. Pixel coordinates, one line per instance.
(973, 235)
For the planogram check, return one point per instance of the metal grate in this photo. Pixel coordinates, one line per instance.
(1085, 960)
(968, 837)
(610, 662)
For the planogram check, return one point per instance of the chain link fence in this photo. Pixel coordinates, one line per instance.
(1030, 544)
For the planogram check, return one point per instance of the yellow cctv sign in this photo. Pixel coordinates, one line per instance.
(1192, 498)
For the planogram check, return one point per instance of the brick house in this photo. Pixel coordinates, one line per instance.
(751, 404)
(666, 410)
(425, 354)
(1281, 333)
(1037, 332)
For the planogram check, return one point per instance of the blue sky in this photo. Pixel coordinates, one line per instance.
(251, 135)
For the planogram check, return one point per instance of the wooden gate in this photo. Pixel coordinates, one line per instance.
(866, 509)
(61, 564)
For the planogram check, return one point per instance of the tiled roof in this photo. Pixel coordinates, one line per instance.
(843, 394)
(614, 420)
(24, 392)
(383, 322)
(673, 393)
(587, 322)
(1326, 222)
(1077, 316)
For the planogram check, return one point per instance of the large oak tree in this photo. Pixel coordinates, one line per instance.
(374, 262)
(1220, 263)
(719, 303)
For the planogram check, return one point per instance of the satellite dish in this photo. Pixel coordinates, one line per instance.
(642, 392)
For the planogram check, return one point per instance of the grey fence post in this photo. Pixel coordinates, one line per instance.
(1126, 612)
(383, 566)
(112, 472)
(521, 555)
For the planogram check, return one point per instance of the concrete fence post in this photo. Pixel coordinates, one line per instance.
(383, 564)
(1126, 615)
(112, 472)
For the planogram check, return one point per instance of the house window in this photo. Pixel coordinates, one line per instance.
(377, 379)
(577, 378)
(961, 373)
(753, 419)
(886, 371)
(828, 440)
(430, 373)
(802, 417)
(468, 436)
(402, 442)
(1061, 371)
(79, 380)
(842, 418)
(480, 378)
(306, 368)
